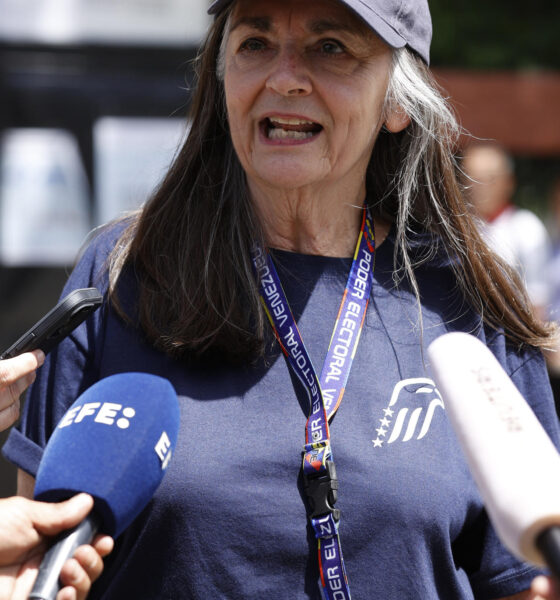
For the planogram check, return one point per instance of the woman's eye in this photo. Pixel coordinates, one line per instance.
(252, 45)
(331, 47)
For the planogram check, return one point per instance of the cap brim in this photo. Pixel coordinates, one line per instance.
(371, 18)
(377, 23)
(217, 6)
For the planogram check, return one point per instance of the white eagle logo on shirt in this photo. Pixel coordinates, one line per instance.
(405, 423)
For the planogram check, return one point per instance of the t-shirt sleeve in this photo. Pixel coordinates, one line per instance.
(499, 573)
(69, 369)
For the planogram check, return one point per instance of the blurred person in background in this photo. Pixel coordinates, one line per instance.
(516, 234)
(320, 162)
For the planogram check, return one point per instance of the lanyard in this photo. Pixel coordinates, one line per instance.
(325, 394)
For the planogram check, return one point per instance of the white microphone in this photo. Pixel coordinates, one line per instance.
(511, 457)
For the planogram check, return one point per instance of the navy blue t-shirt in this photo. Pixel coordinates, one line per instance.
(229, 519)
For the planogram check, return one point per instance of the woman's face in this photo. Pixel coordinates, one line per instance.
(305, 82)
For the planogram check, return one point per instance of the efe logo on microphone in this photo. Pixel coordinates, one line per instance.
(104, 413)
(163, 450)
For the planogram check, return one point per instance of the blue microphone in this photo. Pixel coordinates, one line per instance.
(114, 443)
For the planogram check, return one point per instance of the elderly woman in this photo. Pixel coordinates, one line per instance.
(316, 188)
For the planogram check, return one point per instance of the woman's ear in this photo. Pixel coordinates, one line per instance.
(397, 120)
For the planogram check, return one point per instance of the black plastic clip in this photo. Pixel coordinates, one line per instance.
(322, 492)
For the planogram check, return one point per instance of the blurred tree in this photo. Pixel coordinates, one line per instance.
(496, 34)
(503, 35)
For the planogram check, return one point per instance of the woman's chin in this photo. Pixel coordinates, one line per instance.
(290, 176)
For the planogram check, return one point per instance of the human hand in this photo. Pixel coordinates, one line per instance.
(25, 526)
(16, 374)
(547, 588)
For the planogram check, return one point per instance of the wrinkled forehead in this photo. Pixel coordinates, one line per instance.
(318, 17)
(399, 23)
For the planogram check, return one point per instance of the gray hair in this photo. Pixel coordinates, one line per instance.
(202, 216)
(433, 132)
(428, 191)
(425, 182)
(221, 60)
(412, 92)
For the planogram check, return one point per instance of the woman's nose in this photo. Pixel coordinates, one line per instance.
(289, 75)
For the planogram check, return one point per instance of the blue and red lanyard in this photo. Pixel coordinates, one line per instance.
(325, 394)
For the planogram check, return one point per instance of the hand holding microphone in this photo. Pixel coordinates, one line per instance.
(25, 527)
(114, 443)
(513, 461)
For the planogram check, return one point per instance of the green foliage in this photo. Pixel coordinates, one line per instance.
(503, 35)
(496, 34)
(535, 178)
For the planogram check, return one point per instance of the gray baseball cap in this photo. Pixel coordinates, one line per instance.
(398, 22)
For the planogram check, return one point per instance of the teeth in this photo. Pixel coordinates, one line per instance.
(290, 121)
(285, 134)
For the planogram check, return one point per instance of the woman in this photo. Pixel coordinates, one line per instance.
(316, 135)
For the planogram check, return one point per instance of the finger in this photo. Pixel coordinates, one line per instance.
(9, 415)
(51, 518)
(67, 593)
(75, 581)
(19, 538)
(90, 561)
(17, 374)
(81, 571)
(14, 368)
(11, 393)
(22, 578)
(103, 544)
(546, 587)
(540, 585)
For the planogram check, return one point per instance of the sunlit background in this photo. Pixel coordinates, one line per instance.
(93, 98)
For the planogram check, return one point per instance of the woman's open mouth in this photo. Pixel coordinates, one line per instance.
(289, 128)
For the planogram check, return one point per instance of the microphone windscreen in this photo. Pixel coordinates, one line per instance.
(511, 457)
(115, 443)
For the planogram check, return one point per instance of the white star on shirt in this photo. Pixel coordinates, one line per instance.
(384, 422)
(377, 443)
(381, 432)
(388, 412)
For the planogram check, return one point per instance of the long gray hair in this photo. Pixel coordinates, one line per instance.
(190, 245)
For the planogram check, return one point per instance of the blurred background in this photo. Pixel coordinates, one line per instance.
(93, 98)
